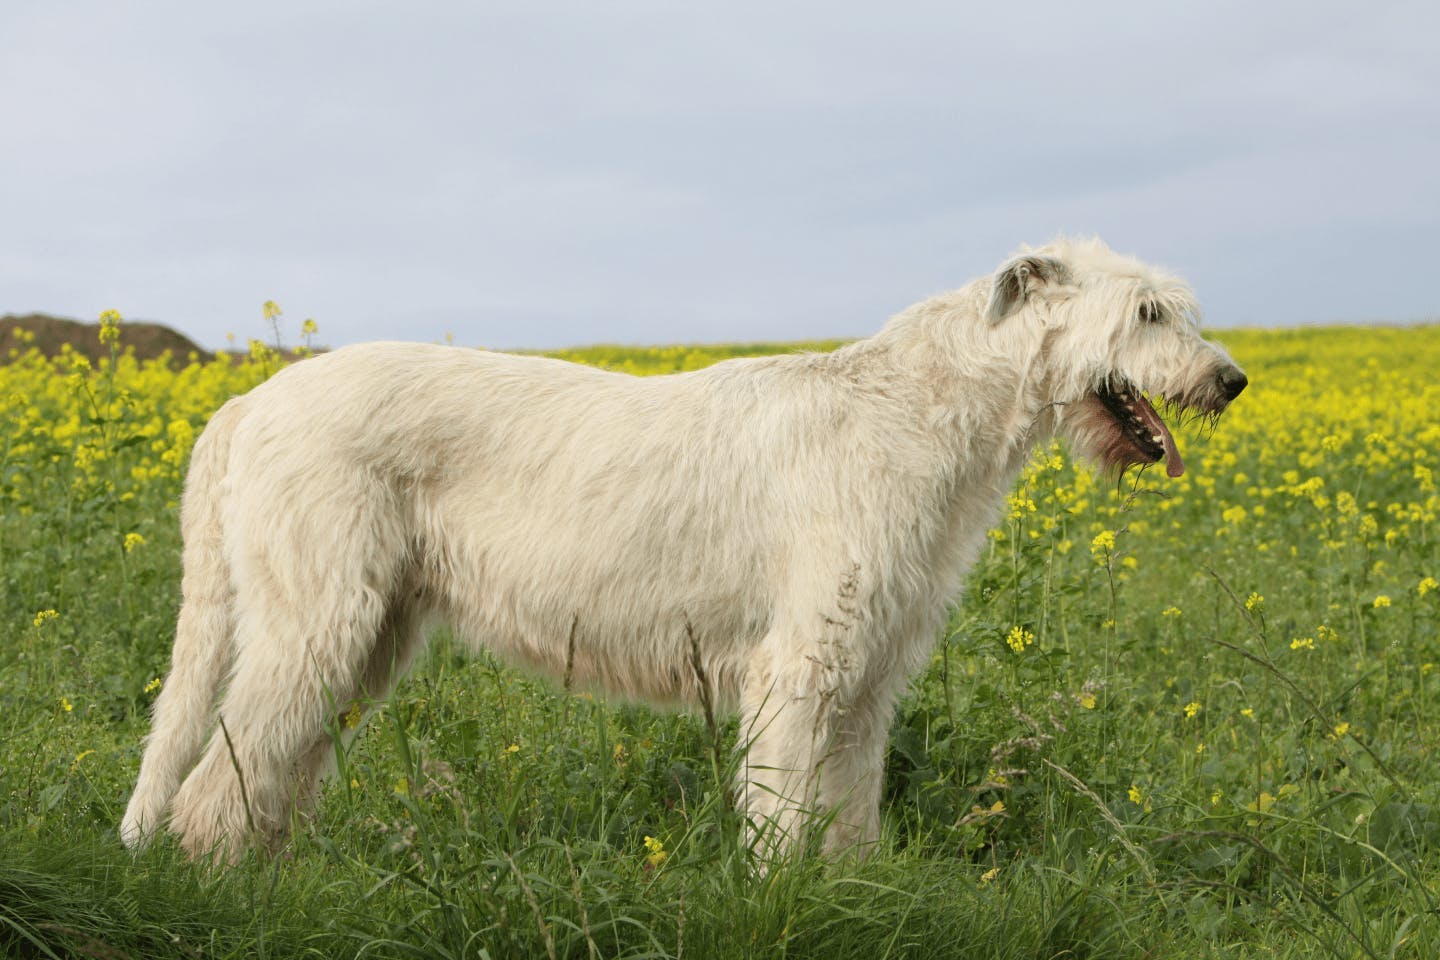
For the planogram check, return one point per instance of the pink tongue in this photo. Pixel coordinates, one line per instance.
(1174, 466)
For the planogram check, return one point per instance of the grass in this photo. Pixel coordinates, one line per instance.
(1183, 718)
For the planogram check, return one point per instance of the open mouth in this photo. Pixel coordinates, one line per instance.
(1135, 432)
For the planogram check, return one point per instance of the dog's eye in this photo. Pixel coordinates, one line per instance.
(1149, 313)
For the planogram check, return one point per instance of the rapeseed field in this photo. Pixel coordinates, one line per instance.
(1172, 718)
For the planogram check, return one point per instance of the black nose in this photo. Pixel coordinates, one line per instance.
(1232, 381)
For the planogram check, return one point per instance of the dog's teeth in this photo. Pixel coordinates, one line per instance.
(1157, 438)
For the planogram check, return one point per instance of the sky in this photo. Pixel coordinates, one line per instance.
(537, 174)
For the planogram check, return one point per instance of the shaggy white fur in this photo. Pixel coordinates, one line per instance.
(810, 517)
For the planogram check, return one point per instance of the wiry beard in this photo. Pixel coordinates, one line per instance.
(1117, 427)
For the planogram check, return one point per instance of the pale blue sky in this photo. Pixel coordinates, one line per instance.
(541, 174)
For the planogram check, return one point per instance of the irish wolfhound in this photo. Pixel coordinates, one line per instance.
(808, 518)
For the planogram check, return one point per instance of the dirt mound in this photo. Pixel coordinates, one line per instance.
(48, 334)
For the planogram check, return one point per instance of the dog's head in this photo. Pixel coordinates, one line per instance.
(1115, 338)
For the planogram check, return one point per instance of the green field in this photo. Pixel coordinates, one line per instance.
(1177, 718)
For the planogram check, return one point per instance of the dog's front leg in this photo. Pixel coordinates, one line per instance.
(852, 772)
(812, 739)
(780, 749)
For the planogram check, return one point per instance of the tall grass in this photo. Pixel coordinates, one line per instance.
(1171, 719)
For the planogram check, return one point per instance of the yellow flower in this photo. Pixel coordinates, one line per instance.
(1138, 798)
(1254, 601)
(1102, 545)
(1302, 643)
(1087, 700)
(109, 326)
(1170, 612)
(1020, 504)
(1263, 803)
(990, 874)
(1340, 730)
(1381, 601)
(66, 705)
(1019, 638)
(619, 754)
(154, 685)
(133, 540)
(270, 309)
(1191, 709)
(1248, 713)
(309, 328)
(353, 716)
(1427, 585)
(655, 850)
(44, 616)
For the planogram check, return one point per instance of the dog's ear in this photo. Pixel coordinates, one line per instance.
(1018, 279)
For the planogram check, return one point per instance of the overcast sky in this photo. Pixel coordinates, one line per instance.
(540, 174)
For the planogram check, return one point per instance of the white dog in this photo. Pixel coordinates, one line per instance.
(807, 519)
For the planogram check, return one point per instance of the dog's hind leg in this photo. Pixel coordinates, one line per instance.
(186, 702)
(309, 609)
(401, 638)
(203, 638)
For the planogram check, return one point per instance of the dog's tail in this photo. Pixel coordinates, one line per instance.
(185, 707)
